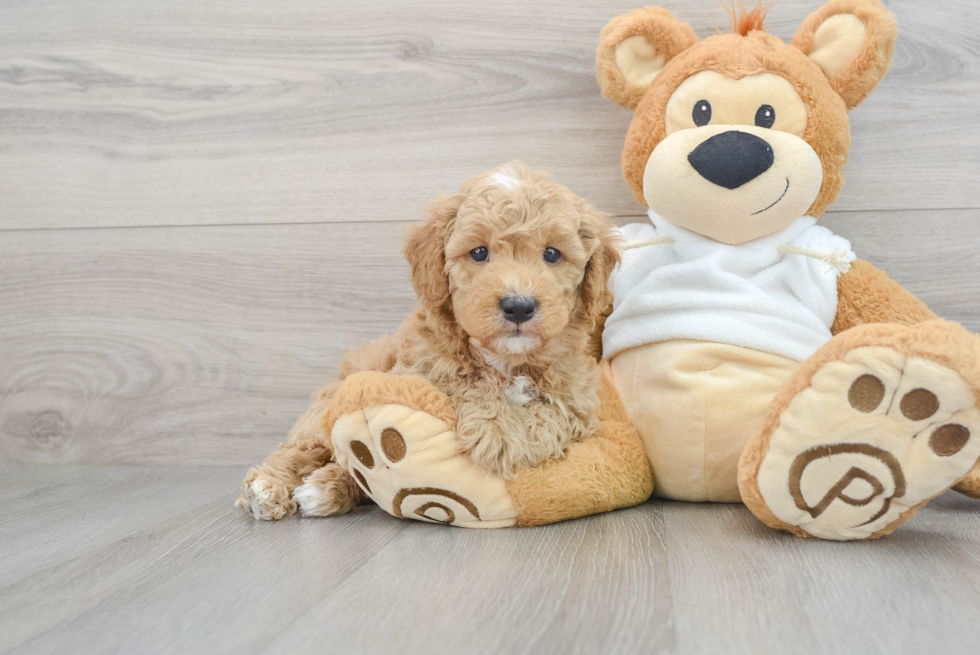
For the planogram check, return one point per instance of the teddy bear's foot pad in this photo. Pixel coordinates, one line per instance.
(408, 462)
(875, 435)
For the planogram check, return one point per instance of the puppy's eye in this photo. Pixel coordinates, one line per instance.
(551, 255)
(479, 254)
(765, 116)
(701, 113)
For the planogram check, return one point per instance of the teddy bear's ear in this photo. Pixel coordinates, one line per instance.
(634, 48)
(853, 42)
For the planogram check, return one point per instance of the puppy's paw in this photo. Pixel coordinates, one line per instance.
(265, 498)
(493, 447)
(328, 491)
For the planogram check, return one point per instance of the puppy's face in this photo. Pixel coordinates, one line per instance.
(514, 264)
(518, 250)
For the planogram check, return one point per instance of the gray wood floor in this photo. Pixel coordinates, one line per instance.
(140, 559)
(202, 204)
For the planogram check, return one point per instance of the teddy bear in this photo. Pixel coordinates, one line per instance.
(748, 356)
(760, 361)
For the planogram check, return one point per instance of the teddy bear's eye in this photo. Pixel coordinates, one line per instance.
(701, 113)
(479, 254)
(765, 116)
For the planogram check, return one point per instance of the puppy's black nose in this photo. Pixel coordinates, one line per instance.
(731, 159)
(518, 309)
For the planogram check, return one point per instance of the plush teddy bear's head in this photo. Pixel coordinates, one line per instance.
(739, 135)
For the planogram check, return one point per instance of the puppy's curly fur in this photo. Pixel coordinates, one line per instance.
(522, 392)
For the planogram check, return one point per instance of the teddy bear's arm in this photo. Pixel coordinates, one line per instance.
(867, 295)
(609, 471)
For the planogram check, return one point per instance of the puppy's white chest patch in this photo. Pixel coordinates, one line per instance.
(520, 391)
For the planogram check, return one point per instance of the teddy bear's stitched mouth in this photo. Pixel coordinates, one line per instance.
(777, 200)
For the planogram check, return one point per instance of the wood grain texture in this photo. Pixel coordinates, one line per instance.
(202, 205)
(117, 113)
(201, 345)
(221, 334)
(762, 591)
(88, 511)
(663, 577)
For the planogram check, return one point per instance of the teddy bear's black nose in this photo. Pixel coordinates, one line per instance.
(732, 158)
(518, 309)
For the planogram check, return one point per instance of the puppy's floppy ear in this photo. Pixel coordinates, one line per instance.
(634, 48)
(425, 251)
(594, 296)
(853, 42)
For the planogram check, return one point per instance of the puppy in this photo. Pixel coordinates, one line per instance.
(512, 275)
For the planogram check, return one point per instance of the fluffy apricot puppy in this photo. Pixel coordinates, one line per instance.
(512, 275)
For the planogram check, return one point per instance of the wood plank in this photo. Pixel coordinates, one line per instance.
(190, 113)
(201, 345)
(43, 527)
(661, 577)
(595, 585)
(213, 580)
(737, 583)
(182, 346)
(18, 479)
(204, 580)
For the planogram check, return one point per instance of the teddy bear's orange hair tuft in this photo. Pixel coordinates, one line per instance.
(745, 20)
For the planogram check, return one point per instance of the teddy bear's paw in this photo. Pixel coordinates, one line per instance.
(328, 491)
(265, 498)
(874, 436)
(408, 462)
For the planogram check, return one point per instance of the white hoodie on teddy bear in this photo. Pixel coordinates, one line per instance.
(750, 295)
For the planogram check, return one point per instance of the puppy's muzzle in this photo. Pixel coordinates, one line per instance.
(732, 158)
(518, 309)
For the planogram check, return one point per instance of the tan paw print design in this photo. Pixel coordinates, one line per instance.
(407, 462)
(874, 435)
